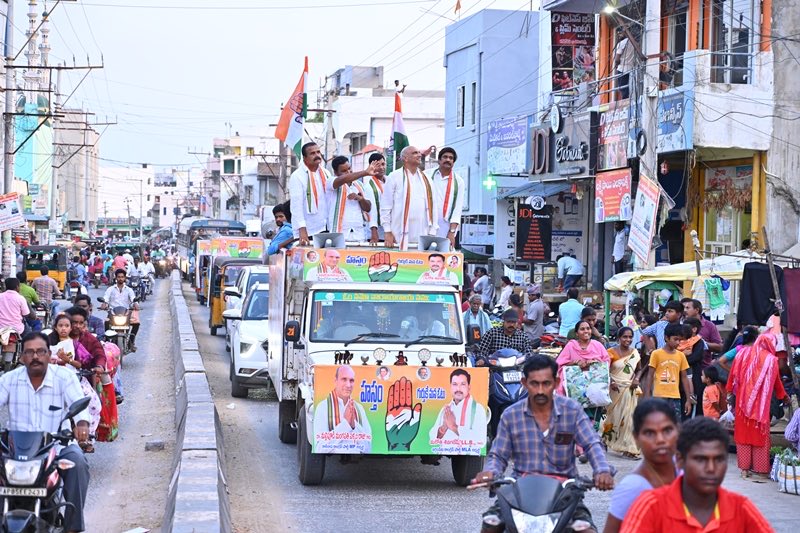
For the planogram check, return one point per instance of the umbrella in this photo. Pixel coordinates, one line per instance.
(81, 234)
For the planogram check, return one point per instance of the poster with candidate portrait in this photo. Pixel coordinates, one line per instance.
(643, 223)
(400, 410)
(244, 247)
(573, 42)
(613, 196)
(11, 215)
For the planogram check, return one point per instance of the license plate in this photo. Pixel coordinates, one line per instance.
(20, 491)
(119, 327)
(512, 377)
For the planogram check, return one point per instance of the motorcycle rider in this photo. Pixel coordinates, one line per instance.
(120, 295)
(94, 324)
(77, 272)
(47, 289)
(31, 298)
(506, 336)
(147, 269)
(539, 435)
(36, 395)
(127, 256)
(14, 308)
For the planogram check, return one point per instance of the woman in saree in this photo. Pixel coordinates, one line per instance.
(582, 352)
(625, 363)
(753, 379)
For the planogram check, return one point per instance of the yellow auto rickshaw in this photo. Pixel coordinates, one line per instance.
(224, 272)
(55, 258)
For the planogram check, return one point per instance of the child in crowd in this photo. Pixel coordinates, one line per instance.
(714, 397)
(667, 368)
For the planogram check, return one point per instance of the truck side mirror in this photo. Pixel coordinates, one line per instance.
(473, 335)
(291, 332)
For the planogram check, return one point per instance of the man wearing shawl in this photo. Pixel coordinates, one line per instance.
(407, 205)
(753, 379)
(340, 422)
(448, 192)
(308, 193)
(350, 206)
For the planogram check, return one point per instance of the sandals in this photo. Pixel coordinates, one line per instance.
(87, 447)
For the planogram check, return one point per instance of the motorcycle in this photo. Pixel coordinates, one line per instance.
(43, 315)
(119, 319)
(97, 279)
(161, 268)
(30, 480)
(505, 387)
(135, 283)
(11, 348)
(537, 503)
(147, 281)
(76, 288)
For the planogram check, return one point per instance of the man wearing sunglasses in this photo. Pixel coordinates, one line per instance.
(37, 395)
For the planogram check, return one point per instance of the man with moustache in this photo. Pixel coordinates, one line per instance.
(463, 418)
(407, 204)
(309, 196)
(373, 185)
(449, 194)
(37, 396)
(340, 414)
(350, 203)
(538, 435)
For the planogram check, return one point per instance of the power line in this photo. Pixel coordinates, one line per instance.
(259, 8)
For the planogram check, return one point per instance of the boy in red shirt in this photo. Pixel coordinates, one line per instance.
(695, 502)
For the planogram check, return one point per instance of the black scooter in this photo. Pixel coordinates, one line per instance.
(31, 486)
(505, 387)
(537, 503)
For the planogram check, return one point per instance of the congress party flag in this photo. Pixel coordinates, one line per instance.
(293, 115)
(399, 137)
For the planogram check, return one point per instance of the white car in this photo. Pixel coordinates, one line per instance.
(234, 296)
(248, 340)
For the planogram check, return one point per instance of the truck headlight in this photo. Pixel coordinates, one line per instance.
(22, 472)
(424, 355)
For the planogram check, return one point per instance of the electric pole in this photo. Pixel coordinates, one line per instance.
(6, 260)
(652, 46)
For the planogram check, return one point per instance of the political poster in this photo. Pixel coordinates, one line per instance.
(203, 247)
(341, 265)
(613, 196)
(243, 247)
(643, 223)
(11, 215)
(400, 410)
(573, 43)
(613, 135)
(507, 146)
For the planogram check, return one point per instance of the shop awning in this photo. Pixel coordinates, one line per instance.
(730, 267)
(537, 188)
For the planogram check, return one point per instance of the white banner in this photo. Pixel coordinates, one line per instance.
(10, 212)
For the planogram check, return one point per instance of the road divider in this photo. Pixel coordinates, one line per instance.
(198, 494)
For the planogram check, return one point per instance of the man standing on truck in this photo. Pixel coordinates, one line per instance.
(340, 423)
(308, 194)
(374, 186)
(448, 195)
(407, 207)
(350, 206)
(462, 420)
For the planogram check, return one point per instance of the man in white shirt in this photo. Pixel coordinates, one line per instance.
(483, 286)
(463, 419)
(407, 204)
(570, 272)
(128, 257)
(437, 273)
(37, 396)
(350, 206)
(342, 418)
(374, 186)
(309, 195)
(620, 242)
(148, 270)
(120, 295)
(449, 194)
(624, 62)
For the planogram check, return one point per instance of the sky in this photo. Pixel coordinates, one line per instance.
(178, 73)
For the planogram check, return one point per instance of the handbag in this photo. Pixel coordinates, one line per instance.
(589, 387)
(788, 473)
(135, 316)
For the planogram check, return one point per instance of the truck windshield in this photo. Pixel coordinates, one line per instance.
(343, 316)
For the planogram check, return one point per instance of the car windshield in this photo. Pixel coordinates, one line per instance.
(256, 277)
(403, 316)
(231, 273)
(257, 306)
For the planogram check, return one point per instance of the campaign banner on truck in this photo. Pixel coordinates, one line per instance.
(203, 247)
(10, 211)
(244, 247)
(613, 196)
(400, 410)
(643, 223)
(343, 265)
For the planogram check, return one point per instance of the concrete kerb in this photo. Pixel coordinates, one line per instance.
(198, 498)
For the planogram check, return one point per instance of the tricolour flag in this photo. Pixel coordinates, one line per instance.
(399, 137)
(293, 116)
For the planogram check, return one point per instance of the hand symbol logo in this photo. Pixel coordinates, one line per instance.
(402, 420)
(381, 267)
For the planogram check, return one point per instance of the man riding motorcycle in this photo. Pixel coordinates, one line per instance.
(47, 289)
(120, 295)
(24, 390)
(506, 336)
(539, 435)
(148, 270)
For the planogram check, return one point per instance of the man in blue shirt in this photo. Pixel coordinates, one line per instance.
(284, 238)
(653, 336)
(569, 312)
(570, 272)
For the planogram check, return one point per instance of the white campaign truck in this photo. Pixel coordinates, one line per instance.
(367, 356)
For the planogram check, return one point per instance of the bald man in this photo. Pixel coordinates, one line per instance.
(340, 422)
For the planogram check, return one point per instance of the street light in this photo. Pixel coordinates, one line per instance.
(612, 10)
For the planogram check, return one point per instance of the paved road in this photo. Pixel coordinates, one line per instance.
(371, 495)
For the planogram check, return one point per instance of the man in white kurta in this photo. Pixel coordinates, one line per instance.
(309, 195)
(462, 422)
(340, 423)
(350, 206)
(374, 185)
(448, 189)
(407, 209)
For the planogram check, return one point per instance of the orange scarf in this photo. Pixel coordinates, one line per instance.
(688, 344)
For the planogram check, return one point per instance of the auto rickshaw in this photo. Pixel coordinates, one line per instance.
(223, 275)
(54, 258)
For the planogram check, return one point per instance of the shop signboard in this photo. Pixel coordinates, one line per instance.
(675, 120)
(561, 147)
(506, 151)
(613, 135)
(534, 233)
(573, 43)
(613, 196)
(366, 422)
(10, 211)
(643, 223)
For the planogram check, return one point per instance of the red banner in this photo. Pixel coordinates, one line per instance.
(613, 196)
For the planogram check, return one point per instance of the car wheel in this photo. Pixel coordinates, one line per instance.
(465, 468)
(213, 330)
(227, 343)
(237, 389)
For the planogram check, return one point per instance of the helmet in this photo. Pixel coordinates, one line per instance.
(127, 250)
